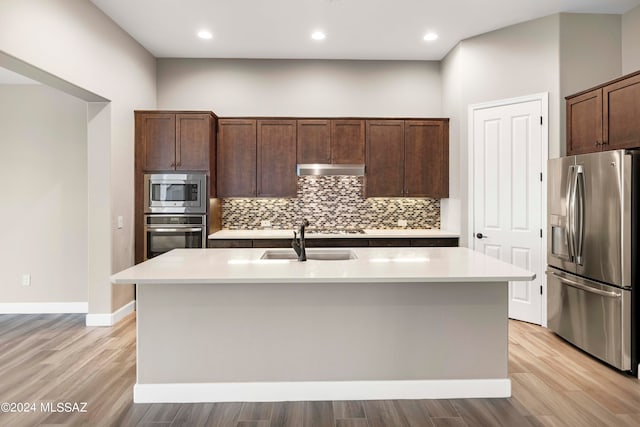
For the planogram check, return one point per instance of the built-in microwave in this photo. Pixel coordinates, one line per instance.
(175, 193)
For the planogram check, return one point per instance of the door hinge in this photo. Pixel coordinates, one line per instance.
(540, 289)
(541, 233)
(540, 120)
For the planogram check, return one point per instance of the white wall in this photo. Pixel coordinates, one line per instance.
(233, 87)
(514, 61)
(631, 41)
(75, 41)
(44, 198)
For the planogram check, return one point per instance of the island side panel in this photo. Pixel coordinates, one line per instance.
(321, 332)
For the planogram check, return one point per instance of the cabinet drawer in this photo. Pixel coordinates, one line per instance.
(230, 243)
(338, 243)
(446, 242)
(382, 243)
(272, 243)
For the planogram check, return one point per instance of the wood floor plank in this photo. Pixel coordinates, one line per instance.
(318, 414)
(440, 408)
(382, 413)
(287, 414)
(348, 409)
(416, 414)
(489, 412)
(193, 415)
(352, 422)
(448, 422)
(224, 414)
(255, 411)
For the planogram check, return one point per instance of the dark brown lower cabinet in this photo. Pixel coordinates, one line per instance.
(335, 242)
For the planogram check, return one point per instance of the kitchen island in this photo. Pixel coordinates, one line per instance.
(220, 325)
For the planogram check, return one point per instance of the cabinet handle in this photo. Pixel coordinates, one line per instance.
(605, 143)
(173, 164)
(598, 143)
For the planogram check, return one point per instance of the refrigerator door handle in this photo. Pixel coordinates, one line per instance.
(586, 288)
(579, 200)
(569, 207)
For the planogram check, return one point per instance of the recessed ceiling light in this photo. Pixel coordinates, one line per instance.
(430, 37)
(318, 35)
(204, 34)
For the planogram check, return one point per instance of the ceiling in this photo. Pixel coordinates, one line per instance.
(355, 29)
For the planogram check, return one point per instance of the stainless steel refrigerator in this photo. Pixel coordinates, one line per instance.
(593, 255)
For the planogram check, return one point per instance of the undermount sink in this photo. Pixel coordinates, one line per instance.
(316, 255)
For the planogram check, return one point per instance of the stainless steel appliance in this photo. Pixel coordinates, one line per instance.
(593, 254)
(175, 193)
(165, 232)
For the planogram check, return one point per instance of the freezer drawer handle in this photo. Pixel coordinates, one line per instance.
(600, 292)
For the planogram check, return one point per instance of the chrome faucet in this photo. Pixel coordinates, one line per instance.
(298, 242)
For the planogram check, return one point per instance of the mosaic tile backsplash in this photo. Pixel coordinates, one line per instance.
(330, 202)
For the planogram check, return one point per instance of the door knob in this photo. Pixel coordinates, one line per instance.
(481, 236)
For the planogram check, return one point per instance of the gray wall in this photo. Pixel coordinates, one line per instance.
(235, 87)
(510, 62)
(44, 198)
(631, 41)
(590, 54)
(78, 43)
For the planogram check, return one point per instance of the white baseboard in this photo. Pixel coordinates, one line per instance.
(43, 307)
(320, 390)
(110, 319)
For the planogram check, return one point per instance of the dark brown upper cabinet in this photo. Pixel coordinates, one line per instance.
(237, 154)
(347, 141)
(338, 141)
(621, 108)
(605, 118)
(314, 141)
(407, 158)
(426, 154)
(384, 174)
(175, 141)
(276, 164)
(584, 123)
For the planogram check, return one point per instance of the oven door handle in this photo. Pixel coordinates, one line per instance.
(586, 288)
(175, 230)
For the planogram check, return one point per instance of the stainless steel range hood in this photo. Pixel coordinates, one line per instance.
(322, 169)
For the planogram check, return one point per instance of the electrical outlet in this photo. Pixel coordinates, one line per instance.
(26, 280)
(120, 221)
(402, 223)
(265, 223)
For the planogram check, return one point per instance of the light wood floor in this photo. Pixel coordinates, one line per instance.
(56, 358)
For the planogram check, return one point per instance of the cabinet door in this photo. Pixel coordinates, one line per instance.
(621, 124)
(426, 166)
(347, 141)
(384, 173)
(277, 158)
(193, 139)
(584, 123)
(158, 138)
(314, 141)
(236, 158)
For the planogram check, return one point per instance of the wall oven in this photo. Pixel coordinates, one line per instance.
(175, 206)
(175, 193)
(165, 232)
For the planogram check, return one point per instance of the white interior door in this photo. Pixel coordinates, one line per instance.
(507, 196)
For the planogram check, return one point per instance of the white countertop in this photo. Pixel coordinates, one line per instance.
(373, 265)
(368, 233)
